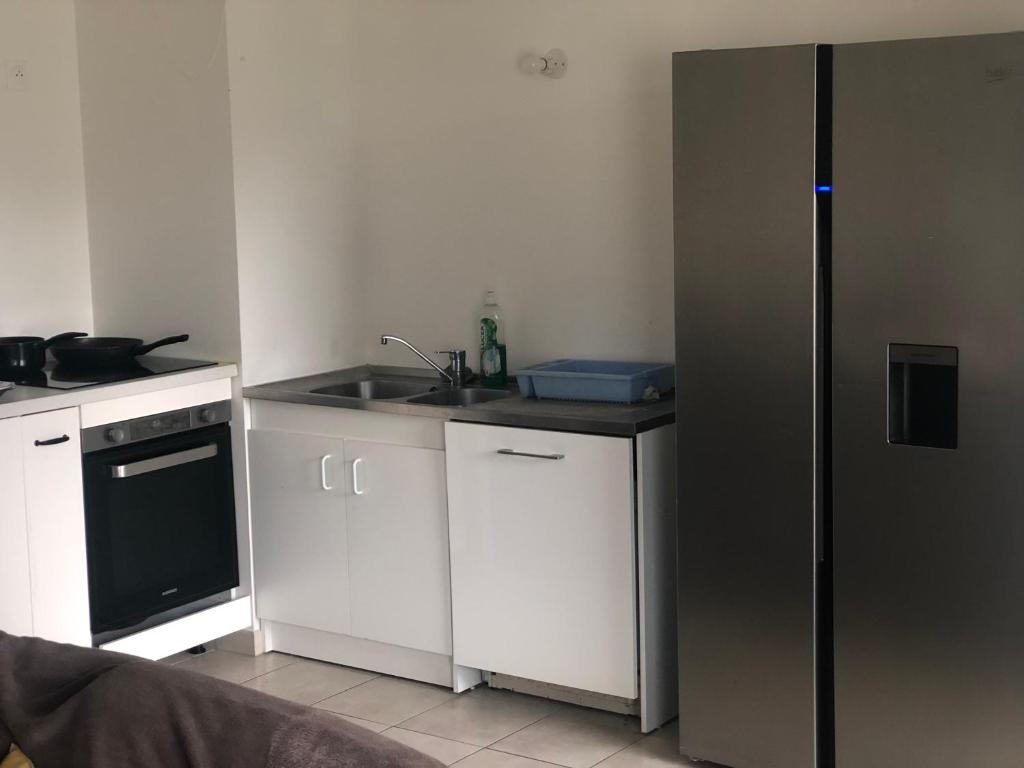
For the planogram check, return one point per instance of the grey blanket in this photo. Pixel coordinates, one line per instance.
(70, 707)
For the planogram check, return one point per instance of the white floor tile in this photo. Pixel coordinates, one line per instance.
(651, 752)
(481, 717)
(485, 728)
(307, 682)
(177, 658)
(487, 758)
(234, 667)
(669, 730)
(367, 724)
(576, 738)
(388, 700)
(445, 750)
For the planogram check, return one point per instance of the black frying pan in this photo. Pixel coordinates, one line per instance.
(28, 353)
(103, 351)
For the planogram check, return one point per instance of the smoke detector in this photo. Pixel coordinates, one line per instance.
(552, 64)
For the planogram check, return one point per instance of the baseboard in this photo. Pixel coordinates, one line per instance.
(356, 652)
(245, 641)
(563, 693)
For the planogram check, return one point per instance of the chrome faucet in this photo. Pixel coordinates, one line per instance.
(455, 374)
(456, 369)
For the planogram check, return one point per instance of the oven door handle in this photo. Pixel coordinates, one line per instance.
(163, 462)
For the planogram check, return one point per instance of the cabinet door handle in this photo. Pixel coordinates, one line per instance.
(53, 440)
(323, 472)
(355, 478)
(549, 456)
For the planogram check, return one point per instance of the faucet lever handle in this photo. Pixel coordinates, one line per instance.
(453, 354)
(457, 366)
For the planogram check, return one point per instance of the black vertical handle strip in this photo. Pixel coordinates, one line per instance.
(824, 194)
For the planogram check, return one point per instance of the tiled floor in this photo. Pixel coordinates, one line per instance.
(479, 729)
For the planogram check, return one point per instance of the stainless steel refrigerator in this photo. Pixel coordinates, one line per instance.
(850, 401)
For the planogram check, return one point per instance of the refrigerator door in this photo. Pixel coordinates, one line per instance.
(745, 287)
(928, 387)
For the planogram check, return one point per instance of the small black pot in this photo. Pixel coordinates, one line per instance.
(23, 377)
(28, 353)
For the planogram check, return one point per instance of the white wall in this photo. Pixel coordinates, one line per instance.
(391, 164)
(44, 256)
(556, 193)
(160, 194)
(293, 123)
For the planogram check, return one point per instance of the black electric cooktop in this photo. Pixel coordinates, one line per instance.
(57, 376)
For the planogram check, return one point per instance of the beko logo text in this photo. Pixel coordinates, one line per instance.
(995, 74)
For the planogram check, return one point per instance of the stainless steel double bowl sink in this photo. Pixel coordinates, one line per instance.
(414, 390)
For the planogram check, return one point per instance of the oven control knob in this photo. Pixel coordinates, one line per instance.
(116, 435)
(207, 415)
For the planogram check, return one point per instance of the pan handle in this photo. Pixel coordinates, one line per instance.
(62, 336)
(144, 348)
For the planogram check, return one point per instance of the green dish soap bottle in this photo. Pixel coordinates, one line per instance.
(493, 360)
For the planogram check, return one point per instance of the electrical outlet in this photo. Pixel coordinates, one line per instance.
(17, 75)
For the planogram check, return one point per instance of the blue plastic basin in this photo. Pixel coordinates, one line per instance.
(607, 381)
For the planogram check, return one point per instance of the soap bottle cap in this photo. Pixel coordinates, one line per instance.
(491, 299)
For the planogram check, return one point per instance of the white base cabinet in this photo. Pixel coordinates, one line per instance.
(15, 582)
(544, 556)
(436, 550)
(43, 509)
(300, 531)
(560, 569)
(350, 533)
(398, 546)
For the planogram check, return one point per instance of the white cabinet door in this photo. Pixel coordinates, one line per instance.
(543, 555)
(56, 526)
(398, 545)
(15, 592)
(299, 529)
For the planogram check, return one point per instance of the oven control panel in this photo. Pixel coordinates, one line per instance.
(156, 425)
(163, 424)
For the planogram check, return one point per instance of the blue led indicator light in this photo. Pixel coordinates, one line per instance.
(823, 188)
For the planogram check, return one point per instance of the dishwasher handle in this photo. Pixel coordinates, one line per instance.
(548, 456)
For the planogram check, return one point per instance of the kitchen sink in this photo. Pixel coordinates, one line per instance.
(462, 396)
(376, 389)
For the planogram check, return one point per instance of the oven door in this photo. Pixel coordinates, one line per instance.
(160, 525)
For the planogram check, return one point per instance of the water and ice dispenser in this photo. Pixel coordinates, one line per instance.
(922, 395)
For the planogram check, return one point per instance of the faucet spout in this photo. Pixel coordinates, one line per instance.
(441, 371)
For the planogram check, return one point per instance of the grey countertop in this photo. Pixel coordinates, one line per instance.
(512, 411)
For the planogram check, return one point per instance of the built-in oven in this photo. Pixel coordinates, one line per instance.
(160, 517)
